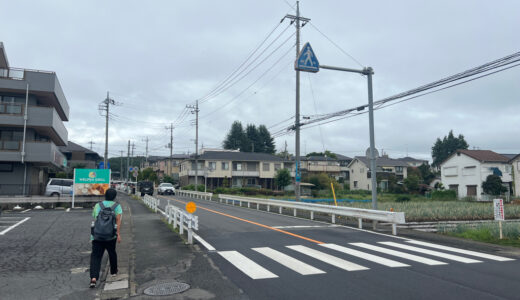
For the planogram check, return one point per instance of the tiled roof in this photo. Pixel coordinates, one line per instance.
(73, 147)
(411, 159)
(317, 158)
(382, 162)
(484, 155)
(342, 157)
(509, 155)
(238, 156)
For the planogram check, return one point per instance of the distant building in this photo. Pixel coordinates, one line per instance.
(465, 170)
(79, 156)
(413, 162)
(515, 170)
(360, 175)
(33, 108)
(344, 161)
(312, 165)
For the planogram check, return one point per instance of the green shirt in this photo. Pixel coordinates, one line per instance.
(95, 212)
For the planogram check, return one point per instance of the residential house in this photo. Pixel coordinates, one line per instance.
(233, 168)
(413, 162)
(311, 165)
(344, 161)
(515, 167)
(465, 170)
(79, 156)
(33, 108)
(360, 175)
(171, 167)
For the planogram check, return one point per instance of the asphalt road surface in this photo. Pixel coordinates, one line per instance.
(272, 256)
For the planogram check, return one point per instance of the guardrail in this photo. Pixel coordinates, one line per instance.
(181, 218)
(194, 194)
(376, 215)
(151, 202)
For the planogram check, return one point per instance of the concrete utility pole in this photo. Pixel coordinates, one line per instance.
(146, 153)
(121, 174)
(91, 143)
(297, 175)
(196, 111)
(170, 166)
(132, 155)
(106, 107)
(128, 162)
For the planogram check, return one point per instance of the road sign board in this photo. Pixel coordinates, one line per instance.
(135, 173)
(191, 207)
(307, 60)
(136, 168)
(498, 205)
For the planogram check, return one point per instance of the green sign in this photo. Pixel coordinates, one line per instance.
(92, 176)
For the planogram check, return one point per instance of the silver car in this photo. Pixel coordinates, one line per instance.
(59, 187)
(166, 188)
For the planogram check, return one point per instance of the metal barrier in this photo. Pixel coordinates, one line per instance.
(181, 218)
(359, 213)
(194, 194)
(151, 202)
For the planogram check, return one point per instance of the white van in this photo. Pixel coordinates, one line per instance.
(59, 187)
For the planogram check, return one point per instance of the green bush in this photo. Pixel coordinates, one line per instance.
(189, 187)
(402, 198)
(444, 195)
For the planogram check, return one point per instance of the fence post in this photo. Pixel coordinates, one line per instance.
(181, 223)
(312, 215)
(294, 212)
(280, 210)
(394, 229)
(190, 231)
(360, 223)
(333, 219)
(174, 218)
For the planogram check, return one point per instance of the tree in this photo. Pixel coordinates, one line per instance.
(442, 149)
(327, 153)
(168, 178)
(493, 185)
(252, 141)
(426, 173)
(236, 137)
(282, 178)
(411, 183)
(266, 141)
(147, 174)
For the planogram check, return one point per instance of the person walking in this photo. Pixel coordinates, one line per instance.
(104, 234)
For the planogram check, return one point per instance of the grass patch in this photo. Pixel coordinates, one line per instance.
(488, 233)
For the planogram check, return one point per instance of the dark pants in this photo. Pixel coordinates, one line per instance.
(98, 248)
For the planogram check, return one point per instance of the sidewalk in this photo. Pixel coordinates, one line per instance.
(151, 254)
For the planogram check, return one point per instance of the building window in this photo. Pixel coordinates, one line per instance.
(225, 166)
(471, 190)
(212, 165)
(454, 187)
(6, 167)
(265, 167)
(399, 169)
(508, 169)
(251, 181)
(355, 184)
(277, 167)
(237, 166)
(469, 171)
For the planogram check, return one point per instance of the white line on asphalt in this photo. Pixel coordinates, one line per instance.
(203, 242)
(324, 257)
(288, 261)
(374, 258)
(305, 226)
(404, 255)
(26, 210)
(462, 251)
(68, 209)
(13, 226)
(433, 253)
(244, 264)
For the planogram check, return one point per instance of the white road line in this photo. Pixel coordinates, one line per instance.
(26, 210)
(373, 258)
(305, 226)
(289, 262)
(13, 226)
(433, 253)
(68, 209)
(462, 251)
(330, 259)
(404, 255)
(244, 264)
(203, 242)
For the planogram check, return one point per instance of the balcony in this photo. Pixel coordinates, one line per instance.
(325, 169)
(36, 152)
(44, 120)
(43, 84)
(245, 173)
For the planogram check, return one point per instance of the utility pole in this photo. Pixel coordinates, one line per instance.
(105, 107)
(170, 145)
(146, 153)
(132, 155)
(121, 174)
(128, 162)
(196, 111)
(91, 142)
(297, 176)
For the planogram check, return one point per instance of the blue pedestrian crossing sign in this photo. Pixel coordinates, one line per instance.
(307, 60)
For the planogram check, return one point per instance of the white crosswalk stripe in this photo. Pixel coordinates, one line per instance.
(244, 264)
(432, 253)
(327, 258)
(289, 262)
(462, 251)
(377, 259)
(404, 255)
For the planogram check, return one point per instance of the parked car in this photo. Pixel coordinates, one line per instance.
(145, 187)
(166, 188)
(58, 187)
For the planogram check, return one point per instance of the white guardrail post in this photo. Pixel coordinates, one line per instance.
(357, 213)
(183, 220)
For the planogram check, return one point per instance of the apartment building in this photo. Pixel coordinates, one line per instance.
(165, 166)
(79, 156)
(312, 165)
(233, 169)
(33, 108)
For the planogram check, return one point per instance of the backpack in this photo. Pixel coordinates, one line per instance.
(105, 227)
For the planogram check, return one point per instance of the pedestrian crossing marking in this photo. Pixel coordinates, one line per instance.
(373, 258)
(247, 266)
(404, 255)
(462, 251)
(432, 253)
(327, 258)
(289, 262)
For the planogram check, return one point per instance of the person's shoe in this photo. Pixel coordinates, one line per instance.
(92, 283)
(113, 275)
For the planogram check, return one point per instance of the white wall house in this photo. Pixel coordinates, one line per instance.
(465, 170)
(360, 177)
(515, 166)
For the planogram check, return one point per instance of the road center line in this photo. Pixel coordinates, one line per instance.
(254, 223)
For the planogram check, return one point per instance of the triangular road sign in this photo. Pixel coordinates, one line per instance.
(307, 60)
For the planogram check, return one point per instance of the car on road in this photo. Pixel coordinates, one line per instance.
(58, 187)
(166, 188)
(145, 187)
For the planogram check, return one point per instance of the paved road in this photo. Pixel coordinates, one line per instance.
(280, 257)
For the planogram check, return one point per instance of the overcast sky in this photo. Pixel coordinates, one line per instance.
(156, 57)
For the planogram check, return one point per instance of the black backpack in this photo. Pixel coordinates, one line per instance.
(105, 227)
